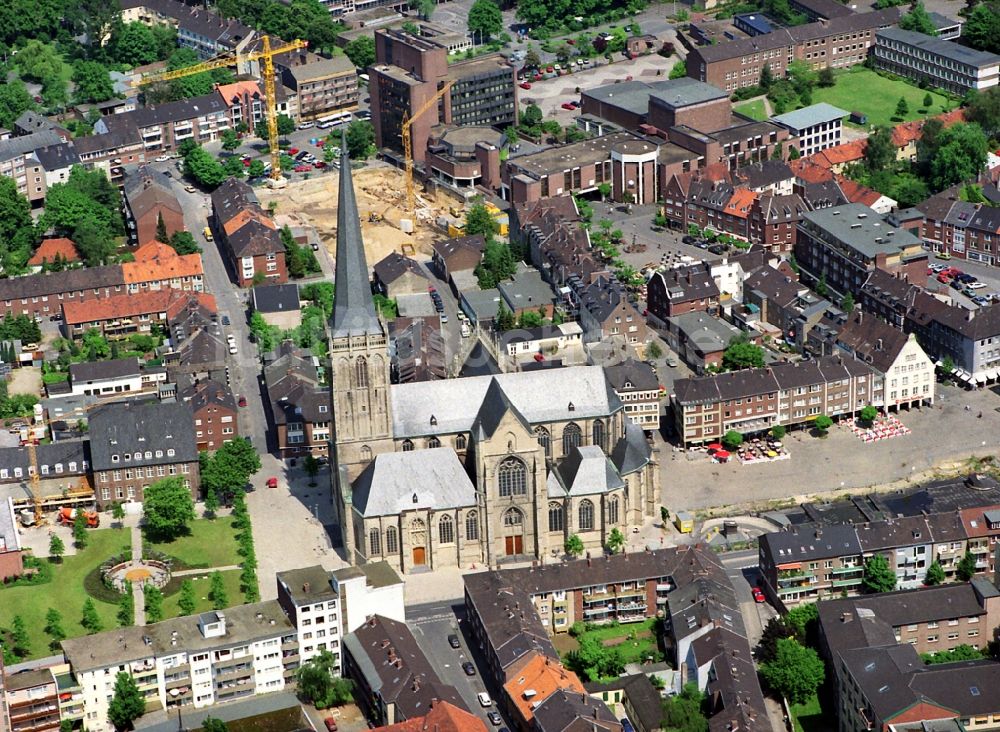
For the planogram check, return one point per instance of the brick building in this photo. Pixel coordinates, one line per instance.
(323, 85)
(214, 411)
(409, 70)
(682, 290)
(300, 404)
(164, 127)
(119, 316)
(148, 199)
(135, 444)
(11, 557)
(247, 236)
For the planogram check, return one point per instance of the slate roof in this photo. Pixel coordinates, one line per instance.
(255, 239)
(494, 407)
(387, 486)
(353, 308)
(806, 543)
(632, 375)
(394, 265)
(103, 370)
(14, 147)
(206, 393)
(294, 390)
(147, 189)
(632, 451)
(275, 298)
(231, 198)
(873, 340)
(60, 453)
(684, 284)
(586, 471)
(643, 698)
(541, 396)
(138, 427)
(567, 711)
(57, 157)
(815, 114)
(939, 47)
(461, 253)
(602, 298)
(397, 670)
(764, 173)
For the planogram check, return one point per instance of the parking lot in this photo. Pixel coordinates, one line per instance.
(981, 290)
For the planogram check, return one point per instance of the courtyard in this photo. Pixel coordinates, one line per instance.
(582, 647)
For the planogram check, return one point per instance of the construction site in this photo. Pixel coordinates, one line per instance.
(381, 196)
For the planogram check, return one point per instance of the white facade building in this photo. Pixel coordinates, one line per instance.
(368, 590)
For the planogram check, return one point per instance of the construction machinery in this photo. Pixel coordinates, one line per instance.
(265, 55)
(67, 517)
(35, 478)
(406, 131)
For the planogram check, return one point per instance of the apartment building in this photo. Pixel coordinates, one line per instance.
(19, 162)
(204, 32)
(679, 290)
(982, 530)
(193, 661)
(119, 316)
(134, 444)
(842, 245)
(394, 680)
(636, 385)
(214, 410)
(964, 230)
(41, 295)
(158, 266)
(789, 394)
(148, 200)
(606, 313)
(300, 403)
(322, 85)
(837, 43)
(163, 127)
(247, 236)
(937, 62)
(559, 247)
(409, 70)
(814, 128)
(29, 700)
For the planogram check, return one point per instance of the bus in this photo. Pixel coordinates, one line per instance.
(332, 120)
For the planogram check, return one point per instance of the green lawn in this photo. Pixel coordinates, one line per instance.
(201, 582)
(617, 636)
(809, 717)
(65, 592)
(210, 544)
(753, 110)
(862, 90)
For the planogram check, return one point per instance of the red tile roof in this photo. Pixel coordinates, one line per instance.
(740, 203)
(809, 171)
(857, 193)
(543, 676)
(49, 249)
(848, 152)
(169, 302)
(442, 717)
(157, 261)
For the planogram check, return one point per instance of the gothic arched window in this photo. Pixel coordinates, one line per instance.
(471, 526)
(571, 438)
(361, 373)
(513, 517)
(446, 529)
(460, 442)
(557, 517)
(407, 445)
(374, 543)
(544, 439)
(586, 515)
(434, 442)
(598, 433)
(391, 540)
(512, 478)
(613, 510)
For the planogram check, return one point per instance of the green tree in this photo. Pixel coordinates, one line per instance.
(90, 620)
(742, 354)
(826, 78)
(54, 628)
(203, 169)
(183, 242)
(20, 643)
(360, 139)
(212, 724)
(880, 151)
(531, 116)
(93, 83)
(14, 101)
(136, 44)
(161, 229)
(126, 704)
(154, 603)
(902, 108)
(168, 508)
(186, 602)
(963, 652)
(256, 168)
(505, 318)
(982, 27)
(118, 512)
(233, 167)
(778, 432)
(878, 576)
(822, 423)
(361, 51)
(498, 265)
(80, 529)
(732, 439)
(531, 58)
(928, 101)
(126, 608)
(230, 467)
(935, 574)
(919, 21)
(573, 545)
(796, 671)
(56, 548)
(317, 682)
(803, 622)
(868, 414)
(847, 303)
(485, 18)
(217, 591)
(211, 502)
(966, 568)
(230, 140)
(679, 70)
(653, 350)
(311, 466)
(960, 156)
(684, 712)
(595, 661)
(479, 220)
(616, 541)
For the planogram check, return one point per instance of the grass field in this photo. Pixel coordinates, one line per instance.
(753, 110)
(201, 583)
(862, 90)
(65, 592)
(809, 717)
(210, 544)
(617, 636)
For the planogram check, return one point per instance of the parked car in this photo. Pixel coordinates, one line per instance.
(304, 168)
(495, 719)
(225, 320)
(981, 301)
(243, 401)
(469, 669)
(190, 189)
(293, 151)
(943, 255)
(525, 85)
(717, 249)
(758, 594)
(331, 724)
(319, 164)
(568, 105)
(975, 285)
(453, 641)
(484, 699)
(162, 158)
(307, 125)
(688, 239)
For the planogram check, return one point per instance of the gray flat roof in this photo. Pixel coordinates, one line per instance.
(861, 228)
(685, 92)
(632, 96)
(946, 49)
(810, 116)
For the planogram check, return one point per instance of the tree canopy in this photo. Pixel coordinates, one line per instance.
(982, 27)
(305, 19)
(361, 51)
(360, 139)
(795, 672)
(485, 18)
(17, 230)
(127, 704)
(93, 83)
(961, 155)
(742, 354)
(498, 264)
(203, 169)
(230, 467)
(168, 508)
(318, 684)
(87, 209)
(918, 20)
(684, 712)
(878, 576)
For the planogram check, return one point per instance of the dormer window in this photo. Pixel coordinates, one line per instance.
(114, 458)
(138, 455)
(159, 453)
(149, 455)
(434, 421)
(170, 452)
(571, 407)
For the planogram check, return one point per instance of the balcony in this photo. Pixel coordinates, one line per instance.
(846, 570)
(847, 582)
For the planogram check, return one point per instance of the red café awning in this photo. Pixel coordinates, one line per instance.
(722, 454)
(715, 446)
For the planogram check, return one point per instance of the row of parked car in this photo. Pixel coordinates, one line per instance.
(701, 244)
(967, 284)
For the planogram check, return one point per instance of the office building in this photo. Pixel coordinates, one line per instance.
(936, 62)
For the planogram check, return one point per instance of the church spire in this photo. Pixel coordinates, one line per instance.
(353, 308)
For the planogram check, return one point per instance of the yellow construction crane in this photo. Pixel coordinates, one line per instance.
(408, 120)
(35, 473)
(266, 56)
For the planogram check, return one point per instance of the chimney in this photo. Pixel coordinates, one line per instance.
(305, 587)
